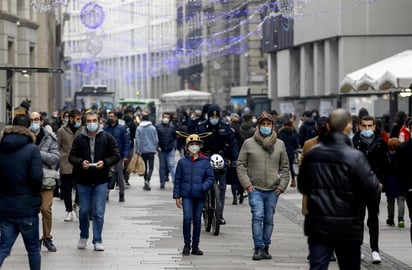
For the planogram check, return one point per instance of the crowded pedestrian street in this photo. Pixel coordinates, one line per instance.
(145, 232)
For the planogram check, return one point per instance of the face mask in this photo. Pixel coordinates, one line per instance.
(254, 121)
(193, 148)
(265, 131)
(206, 117)
(92, 127)
(66, 120)
(110, 121)
(77, 124)
(165, 120)
(367, 133)
(34, 127)
(213, 121)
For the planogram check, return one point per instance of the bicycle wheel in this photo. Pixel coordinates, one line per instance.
(215, 199)
(206, 212)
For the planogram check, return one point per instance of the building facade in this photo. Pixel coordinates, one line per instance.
(28, 39)
(310, 54)
(129, 46)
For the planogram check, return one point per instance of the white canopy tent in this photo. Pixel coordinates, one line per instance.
(394, 72)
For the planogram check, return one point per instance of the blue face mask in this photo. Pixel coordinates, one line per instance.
(92, 127)
(265, 131)
(34, 127)
(367, 133)
(213, 121)
(77, 124)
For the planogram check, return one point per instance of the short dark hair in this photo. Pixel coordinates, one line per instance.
(368, 118)
(74, 113)
(22, 120)
(339, 119)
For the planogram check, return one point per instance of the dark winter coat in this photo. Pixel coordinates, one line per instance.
(377, 154)
(167, 137)
(105, 149)
(193, 178)
(291, 139)
(121, 134)
(307, 131)
(20, 173)
(338, 183)
(403, 158)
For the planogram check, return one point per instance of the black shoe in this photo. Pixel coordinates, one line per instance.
(197, 251)
(146, 186)
(259, 253)
(162, 186)
(241, 199)
(234, 202)
(266, 254)
(222, 221)
(390, 222)
(48, 243)
(186, 250)
(121, 197)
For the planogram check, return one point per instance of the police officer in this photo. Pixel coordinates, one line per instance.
(222, 141)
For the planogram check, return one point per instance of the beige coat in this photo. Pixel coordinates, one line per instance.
(65, 139)
(255, 166)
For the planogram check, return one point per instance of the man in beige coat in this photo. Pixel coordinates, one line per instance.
(263, 171)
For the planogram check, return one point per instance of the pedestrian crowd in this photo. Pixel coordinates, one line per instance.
(344, 162)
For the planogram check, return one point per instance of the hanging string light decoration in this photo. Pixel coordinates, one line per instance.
(290, 8)
(92, 15)
(46, 5)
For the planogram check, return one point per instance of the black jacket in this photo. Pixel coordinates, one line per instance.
(105, 149)
(167, 136)
(338, 182)
(403, 161)
(377, 154)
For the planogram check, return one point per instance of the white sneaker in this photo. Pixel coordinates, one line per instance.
(98, 247)
(82, 243)
(68, 217)
(376, 258)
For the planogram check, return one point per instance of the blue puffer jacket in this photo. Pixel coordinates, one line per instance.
(121, 134)
(193, 178)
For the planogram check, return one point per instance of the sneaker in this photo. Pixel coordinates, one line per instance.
(76, 209)
(146, 185)
(401, 224)
(82, 243)
(68, 217)
(48, 243)
(222, 221)
(376, 258)
(98, 247)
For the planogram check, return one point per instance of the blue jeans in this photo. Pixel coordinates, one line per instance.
(262, 204)
(92, 199)
(348, 254)
(192, 210)
(29, 229)
(166, 163)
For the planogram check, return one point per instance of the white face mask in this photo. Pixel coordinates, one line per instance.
(193, 148)
(166, 120)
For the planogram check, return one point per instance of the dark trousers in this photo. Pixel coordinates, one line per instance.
(409, 204)
(67, 185)
(148, 159)
(348, 254)
(192, 213)
(373, 223)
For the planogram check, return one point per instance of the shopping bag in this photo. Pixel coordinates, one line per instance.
(141, 167)
(132, 168)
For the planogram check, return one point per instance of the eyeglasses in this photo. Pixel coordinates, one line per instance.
(34, 119)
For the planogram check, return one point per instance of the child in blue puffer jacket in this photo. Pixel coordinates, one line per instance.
(193, 178)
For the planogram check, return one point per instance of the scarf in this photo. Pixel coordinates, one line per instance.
(268, 143)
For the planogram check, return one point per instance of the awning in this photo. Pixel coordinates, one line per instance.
(393, 72)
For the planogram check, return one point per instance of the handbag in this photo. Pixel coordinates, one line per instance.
(111, 183)
(50, 178)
